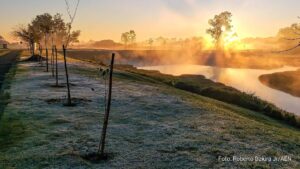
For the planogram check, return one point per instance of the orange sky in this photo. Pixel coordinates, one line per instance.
(107, 19)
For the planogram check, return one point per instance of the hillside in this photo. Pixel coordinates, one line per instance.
(152, 125)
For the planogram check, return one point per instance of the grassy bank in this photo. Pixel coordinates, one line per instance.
(152, 125)
(200, 85)
(288, 82)
(196, 84)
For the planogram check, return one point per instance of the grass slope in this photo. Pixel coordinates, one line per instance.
(200, 85)
(195, 84)
(152, 125)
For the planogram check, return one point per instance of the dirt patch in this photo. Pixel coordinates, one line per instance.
(96, 157)
(34, 58)
(75, 101)
(57, 86)
(61, 85)
(71, 84)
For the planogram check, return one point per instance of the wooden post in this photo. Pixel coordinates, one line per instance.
(52, 61)
(41, 53)
(56, 69)
(33, 49)
(47, 60)
(39, 58)
(106, 116)
(69, 103)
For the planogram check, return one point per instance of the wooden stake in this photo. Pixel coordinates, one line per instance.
(47, 66)
(41, 58)
(69, 103)
(52, 61)
(56, 69)
(106, 116)
(40, 50)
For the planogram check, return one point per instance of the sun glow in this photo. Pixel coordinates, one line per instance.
(231, 41)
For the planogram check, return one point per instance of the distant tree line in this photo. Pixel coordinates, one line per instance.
(128, 38)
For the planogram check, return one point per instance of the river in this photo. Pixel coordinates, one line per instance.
(243, 79)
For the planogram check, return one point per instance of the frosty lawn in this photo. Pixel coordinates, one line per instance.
(151, 125)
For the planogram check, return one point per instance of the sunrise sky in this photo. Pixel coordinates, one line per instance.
(107, 19)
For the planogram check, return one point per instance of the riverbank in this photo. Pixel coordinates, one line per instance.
(201, 85)
(288, 82)
(152, 125)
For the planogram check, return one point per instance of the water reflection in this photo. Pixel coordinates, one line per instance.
(242, 79)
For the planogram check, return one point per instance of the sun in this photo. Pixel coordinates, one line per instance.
(231, 41)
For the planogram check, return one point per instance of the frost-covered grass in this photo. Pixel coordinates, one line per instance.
(200, 85)
(151, 125)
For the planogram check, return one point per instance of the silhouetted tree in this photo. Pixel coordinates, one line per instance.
(150, 42)
(128, 38)
(219, 24)
(291, 33)
(28, 35)
(44, 24)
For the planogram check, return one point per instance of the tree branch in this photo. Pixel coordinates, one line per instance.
(291, 38)
(297, 33)
(289, 49)
(72, 17)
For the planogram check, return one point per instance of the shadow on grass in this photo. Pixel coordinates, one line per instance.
(96, 157)
(12, 129)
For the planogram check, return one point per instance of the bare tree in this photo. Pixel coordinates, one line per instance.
(107, 110)
(72, 18)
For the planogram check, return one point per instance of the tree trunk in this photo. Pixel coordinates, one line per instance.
(41, 53)
(47, 64)
(56, 69)
(69, 102)
(47, 59)
(52, 55)
(32, 48)
(52, 61)
(106, 116)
